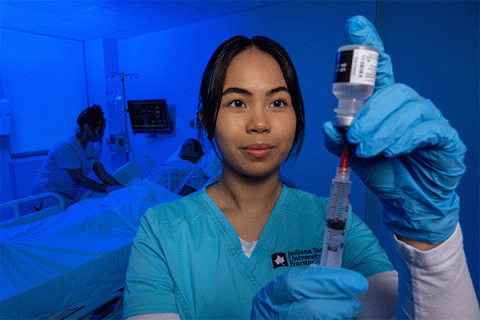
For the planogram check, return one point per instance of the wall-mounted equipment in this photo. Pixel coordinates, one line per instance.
(5, 120)
(119, 142)
(149, 116)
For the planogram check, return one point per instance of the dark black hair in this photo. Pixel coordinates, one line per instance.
(197, 144)
(213, 80)
(93, 116)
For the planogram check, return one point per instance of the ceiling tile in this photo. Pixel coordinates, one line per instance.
(21, 17)
(189, 19)
(114, 19)
(121, 35)
(223, 8)
(156, 26)
(75, 30)
(154, 10)
(64, 8)
(88, 19)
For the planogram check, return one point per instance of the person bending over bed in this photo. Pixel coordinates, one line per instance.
(243, 245)
(182, 176)
(70, 161)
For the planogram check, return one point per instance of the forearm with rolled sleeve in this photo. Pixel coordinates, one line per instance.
(435, 284)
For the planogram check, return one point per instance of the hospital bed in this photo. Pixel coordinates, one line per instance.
(23, 211)
(138, 168)
(71, 264)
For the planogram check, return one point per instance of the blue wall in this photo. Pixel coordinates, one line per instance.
(44, 80)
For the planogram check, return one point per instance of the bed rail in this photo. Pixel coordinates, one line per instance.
(133, 169)
(23, 211)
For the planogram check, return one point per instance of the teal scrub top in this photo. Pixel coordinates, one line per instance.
(187, 258)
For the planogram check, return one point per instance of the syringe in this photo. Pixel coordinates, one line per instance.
(336, 216)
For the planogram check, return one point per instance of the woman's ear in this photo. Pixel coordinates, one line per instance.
(201, 118)
(203, 122)
(87, 128)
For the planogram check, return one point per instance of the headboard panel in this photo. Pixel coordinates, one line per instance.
(22, 172)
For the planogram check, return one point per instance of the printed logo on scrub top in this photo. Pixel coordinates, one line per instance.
(296, 258)
(279, 260)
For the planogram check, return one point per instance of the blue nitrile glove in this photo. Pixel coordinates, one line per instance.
(314, 293)
(404, 150)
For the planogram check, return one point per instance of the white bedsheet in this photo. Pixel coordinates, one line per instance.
(75, 252)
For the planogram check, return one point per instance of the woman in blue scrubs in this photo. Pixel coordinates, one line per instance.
(243, 246)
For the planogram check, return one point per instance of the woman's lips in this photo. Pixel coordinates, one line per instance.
(258, 150)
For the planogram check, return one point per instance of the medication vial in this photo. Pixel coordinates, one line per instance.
(354, 80)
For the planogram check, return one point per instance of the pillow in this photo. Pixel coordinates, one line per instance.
(209, 163)
(176, 154)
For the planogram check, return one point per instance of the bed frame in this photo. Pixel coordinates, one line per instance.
(109, 304)
(31, 214)
(22, 211)
(137, 168)
(133, 170)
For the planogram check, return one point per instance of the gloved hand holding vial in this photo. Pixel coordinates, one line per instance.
(406, 152)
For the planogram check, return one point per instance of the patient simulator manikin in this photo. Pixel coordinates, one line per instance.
(181, 176)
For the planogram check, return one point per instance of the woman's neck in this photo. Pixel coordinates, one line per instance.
(247, 202)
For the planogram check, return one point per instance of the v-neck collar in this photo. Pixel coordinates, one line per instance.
(231, 237)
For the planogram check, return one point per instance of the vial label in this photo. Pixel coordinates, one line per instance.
(358, 66)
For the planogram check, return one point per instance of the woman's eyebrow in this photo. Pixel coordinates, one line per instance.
(276, 90)
(248, 93)
(237, 90)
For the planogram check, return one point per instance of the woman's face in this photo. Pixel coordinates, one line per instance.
(256, 121)
(96, 133)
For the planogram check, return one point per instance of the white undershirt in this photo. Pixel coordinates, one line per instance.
(248, 247)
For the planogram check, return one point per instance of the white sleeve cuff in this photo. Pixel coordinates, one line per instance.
(380, 299)
(436, 284)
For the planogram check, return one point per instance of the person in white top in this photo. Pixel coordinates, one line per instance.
(70, 161)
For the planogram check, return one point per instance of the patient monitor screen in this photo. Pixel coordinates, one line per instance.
(149, 116)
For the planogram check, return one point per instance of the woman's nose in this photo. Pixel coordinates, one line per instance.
(258, 121)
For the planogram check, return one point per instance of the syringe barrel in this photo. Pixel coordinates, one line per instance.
(332, 248)
(334, 237)
(338, 199)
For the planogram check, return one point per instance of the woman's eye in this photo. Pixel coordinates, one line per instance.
(236, 104)
(278, 104)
